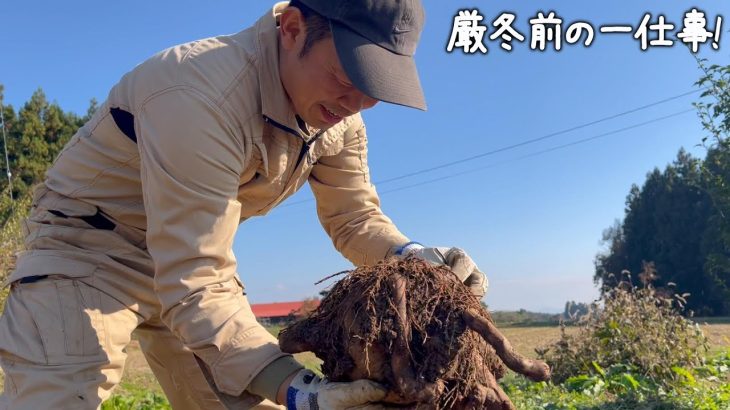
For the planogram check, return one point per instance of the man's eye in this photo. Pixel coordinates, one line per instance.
(341, 81)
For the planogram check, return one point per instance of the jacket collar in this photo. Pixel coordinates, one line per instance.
(275, 103)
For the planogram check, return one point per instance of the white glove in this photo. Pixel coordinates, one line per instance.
(455, 258)
(307, 391)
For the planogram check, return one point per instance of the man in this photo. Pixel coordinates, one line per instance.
(133, 227)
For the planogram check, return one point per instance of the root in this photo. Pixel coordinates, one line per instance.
(535, 370)
(403, 324)
(405, 379)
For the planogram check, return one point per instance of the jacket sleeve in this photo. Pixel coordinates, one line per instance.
(348, 205)
(191, 161)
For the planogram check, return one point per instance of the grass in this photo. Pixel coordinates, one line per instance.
(526, 339)
(718, 335)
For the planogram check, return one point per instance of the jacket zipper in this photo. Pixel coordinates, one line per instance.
(306, 145)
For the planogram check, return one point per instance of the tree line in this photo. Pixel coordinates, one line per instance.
(35, 134)
(678, 221)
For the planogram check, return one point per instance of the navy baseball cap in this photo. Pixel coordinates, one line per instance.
(376, 41)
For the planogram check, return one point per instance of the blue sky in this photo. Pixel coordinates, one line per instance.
(531, 219)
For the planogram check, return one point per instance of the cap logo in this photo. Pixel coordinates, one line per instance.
(398, 30)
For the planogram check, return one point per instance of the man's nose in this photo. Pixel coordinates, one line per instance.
(356, 101)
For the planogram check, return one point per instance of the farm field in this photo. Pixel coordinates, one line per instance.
(139, 380)
(138, 375)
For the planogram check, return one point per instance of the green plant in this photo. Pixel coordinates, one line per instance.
(137, 401)
(715, 82)
(639, 331)
(619, 388)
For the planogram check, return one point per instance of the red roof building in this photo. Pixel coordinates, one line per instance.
(282, 311)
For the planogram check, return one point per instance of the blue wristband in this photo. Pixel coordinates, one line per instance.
(297, 400)
(402, 250)
(291, 398)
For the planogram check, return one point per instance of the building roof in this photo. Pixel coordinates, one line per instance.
(261, 310)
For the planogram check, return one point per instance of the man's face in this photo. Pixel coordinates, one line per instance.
(316, 83)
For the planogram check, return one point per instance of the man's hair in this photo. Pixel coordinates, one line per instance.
(318, 27)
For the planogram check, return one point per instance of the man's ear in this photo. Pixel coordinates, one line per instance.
(292, 28)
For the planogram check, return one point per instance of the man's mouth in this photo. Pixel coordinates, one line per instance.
(330, 116)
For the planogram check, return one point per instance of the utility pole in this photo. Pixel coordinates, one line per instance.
(5, 146)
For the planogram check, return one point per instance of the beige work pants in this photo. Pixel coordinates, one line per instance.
(69, 350)
(63, 336)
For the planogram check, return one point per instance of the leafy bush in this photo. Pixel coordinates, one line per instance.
(638, 331)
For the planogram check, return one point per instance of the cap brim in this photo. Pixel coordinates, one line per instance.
(376, 71)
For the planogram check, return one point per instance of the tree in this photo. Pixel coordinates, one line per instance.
(35, 136)
(714, 113)
(93, 106)
(31, 150)
(665, 222)
(574, 311)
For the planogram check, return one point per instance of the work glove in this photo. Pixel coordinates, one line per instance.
(309, 391)
(455, 258)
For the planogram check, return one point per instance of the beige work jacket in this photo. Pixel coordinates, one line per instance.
(189, 144)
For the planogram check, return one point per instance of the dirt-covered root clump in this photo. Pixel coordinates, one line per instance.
(417, 330)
